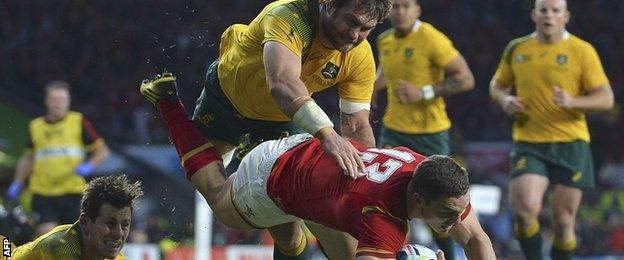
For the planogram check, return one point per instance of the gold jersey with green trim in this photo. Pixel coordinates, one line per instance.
(533, 68)
(292, 23)
(58, 148)
(420, 58)
(62, 242)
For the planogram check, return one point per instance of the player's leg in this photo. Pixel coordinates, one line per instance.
(573, 173)
(564, 205)
(200, 160)
(335, 244)
(527, 187)
(290, 241)
(525, 196)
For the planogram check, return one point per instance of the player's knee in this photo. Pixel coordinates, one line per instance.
(525, 211)
(563, 222)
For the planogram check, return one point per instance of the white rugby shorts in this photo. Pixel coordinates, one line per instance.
(249, 191)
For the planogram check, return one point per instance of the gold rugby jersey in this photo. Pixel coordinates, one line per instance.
(292, 23)
(420, 58)
(532, 68)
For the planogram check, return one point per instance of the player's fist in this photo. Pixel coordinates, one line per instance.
(85, 169)
(418, 252)
(512, 105)
(562, 98)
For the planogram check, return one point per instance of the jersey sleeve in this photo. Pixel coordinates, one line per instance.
(381, 235)
(593, 75)
(442, 50)
(504, 74)
(358, 85)
(90, 136)
(281, 25)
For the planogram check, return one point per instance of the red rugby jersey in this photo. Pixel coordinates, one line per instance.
(308, 183)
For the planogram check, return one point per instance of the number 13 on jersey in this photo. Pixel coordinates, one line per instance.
(379, 171)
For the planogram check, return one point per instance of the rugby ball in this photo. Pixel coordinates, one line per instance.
(416, 252)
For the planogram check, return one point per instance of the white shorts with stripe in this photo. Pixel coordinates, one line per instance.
(249, 190)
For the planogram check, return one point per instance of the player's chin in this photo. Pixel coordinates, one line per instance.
(345, 47)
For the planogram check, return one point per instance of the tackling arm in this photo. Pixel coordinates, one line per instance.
(283, 69)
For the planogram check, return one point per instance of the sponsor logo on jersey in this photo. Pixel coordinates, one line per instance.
(409, 52)
(330, 71)
(520, 58)
(562, 59)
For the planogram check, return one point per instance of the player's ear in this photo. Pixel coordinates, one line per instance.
(419, 200)
(83, 221)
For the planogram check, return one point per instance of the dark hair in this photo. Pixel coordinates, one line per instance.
(376, 8)
(115, 190)
(439, 177)
(58, 84)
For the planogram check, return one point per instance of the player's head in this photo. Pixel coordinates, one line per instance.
(106, 212)
(346, 23)
(404, 14)
(57, 98)
(550, 17)
(438, 192)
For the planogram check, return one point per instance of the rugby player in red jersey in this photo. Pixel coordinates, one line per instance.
(292, 178)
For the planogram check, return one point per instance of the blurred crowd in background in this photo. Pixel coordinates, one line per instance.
(105, 48)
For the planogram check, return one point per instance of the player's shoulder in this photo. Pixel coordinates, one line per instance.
(301, 15)
(429, 30)
(74, 115)
(520, 41)
(54, 239)
(385, 36)
(579, 43)
(38, 121)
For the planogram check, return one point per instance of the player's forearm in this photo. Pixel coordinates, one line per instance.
(288, 94)
(602, 99)
(24, 168)
(381, 82)
(357, 127)
(479, 248)
(363, 134)
(497, 92)
(101, 153)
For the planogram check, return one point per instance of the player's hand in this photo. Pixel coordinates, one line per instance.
(14, 191)
(440, 255)
(407, 93)
(85, 169)
(339, 148)
(512, 105)
(562, 98)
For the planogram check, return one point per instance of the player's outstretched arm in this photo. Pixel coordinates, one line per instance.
(283, 71)
(473, 239)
